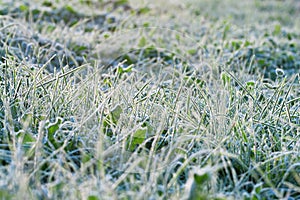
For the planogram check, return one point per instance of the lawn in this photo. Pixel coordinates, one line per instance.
(130, 99)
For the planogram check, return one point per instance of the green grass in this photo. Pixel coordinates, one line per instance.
(106, 100)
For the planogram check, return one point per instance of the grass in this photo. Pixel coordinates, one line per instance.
(106, 100)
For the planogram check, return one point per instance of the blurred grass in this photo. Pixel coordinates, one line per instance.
(157, 100)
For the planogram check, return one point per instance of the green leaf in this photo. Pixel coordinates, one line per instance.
(106, 127)
(92, 197)
(226, 30)
(106, 35)
(70, 9)
(23, 8)
(47, 4)
(50, 28)
(53, 127)
(192, 51)
(201, 178)
(250, 85)
(144, 10)
(111, 119)
(57, 187)
(247, 43)
(86, 157)
(35, 12)
(28, 138)
(261, 62)
(225, 78)
(289, 36)
(5, 194)
(258, 188)
(122, 70)
(146, 24)
(120, 3)
(244, 136)
(142, 42)
(254, 197)
(178, 38)
(277, 29)
(236, 44)
(116, 113)
(197, 191)
(137, 138)
(87, 2)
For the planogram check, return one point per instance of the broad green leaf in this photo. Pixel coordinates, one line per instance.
(261, 62)
(247, 43)
(79, 48)
(47, 3)
(142, 42)
(53, 127)
(26, 137)
(146, 24)
(35, 12)
(111, 119)
(250, 85)
(136, 139)
(58, 187)
(201, 178)
(24, 8)
(85, 157)
(143, 10)
(258, 187)
(116, 113)
(92, 197)
(120, 3)
(192, 51)
(27, 140)
(106, 35)
(289, 36)
(277, 29)
(122, 70)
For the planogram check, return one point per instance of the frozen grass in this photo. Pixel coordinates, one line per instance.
(118, 104)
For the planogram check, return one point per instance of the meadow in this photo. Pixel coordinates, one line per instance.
(131, 99)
